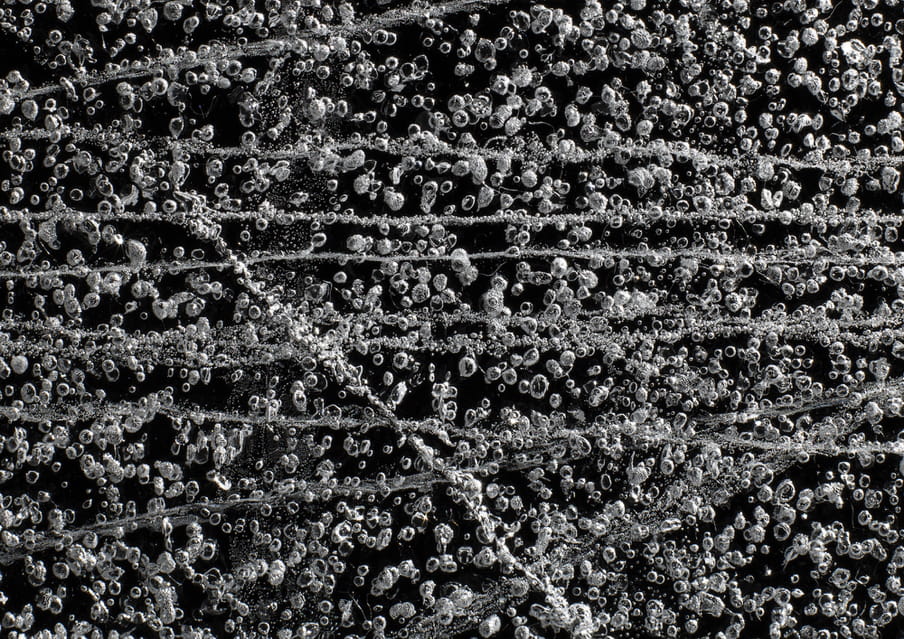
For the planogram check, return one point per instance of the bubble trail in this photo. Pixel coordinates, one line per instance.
(484, 318)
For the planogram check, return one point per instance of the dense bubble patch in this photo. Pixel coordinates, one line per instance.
(480, 318)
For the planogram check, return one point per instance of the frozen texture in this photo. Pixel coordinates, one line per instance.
(478, 318)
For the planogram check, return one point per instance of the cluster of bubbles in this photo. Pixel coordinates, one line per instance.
(481, 318)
